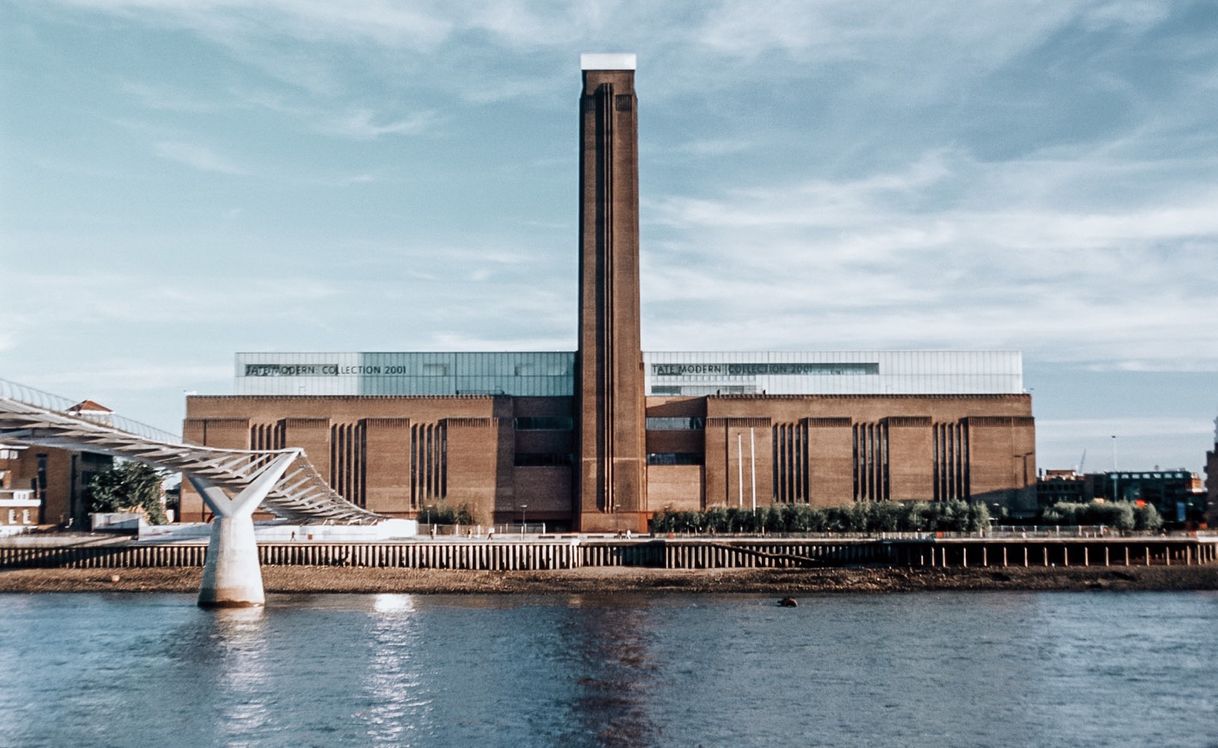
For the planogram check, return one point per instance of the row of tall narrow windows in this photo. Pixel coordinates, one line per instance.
(791, 463)
(951, 475)
(349, 462)
(870, 462)
(792, 483)
(428, 463)
(267, 435)
(348, 473)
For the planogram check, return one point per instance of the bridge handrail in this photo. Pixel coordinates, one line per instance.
(45, 400)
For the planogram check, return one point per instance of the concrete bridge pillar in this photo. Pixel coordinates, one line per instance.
(232, 576)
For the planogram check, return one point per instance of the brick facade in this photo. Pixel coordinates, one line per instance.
(768, 449)
(59, 478)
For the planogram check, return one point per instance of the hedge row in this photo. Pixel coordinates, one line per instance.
(882, 516)
(1122, 515)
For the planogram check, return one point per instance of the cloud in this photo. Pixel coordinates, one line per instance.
(197, 157)
(946, 251)
(338, 120)
(137, 376)
(1129, 14)
(152, 302)
(388, 23)
(363, 124)
(166, 98)
(716, 146)
(1075, 429)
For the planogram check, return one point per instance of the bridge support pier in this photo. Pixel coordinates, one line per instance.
(232, 576)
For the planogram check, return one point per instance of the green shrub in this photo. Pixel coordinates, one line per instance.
(1121, 515)
(882, 516)
(1147, 519)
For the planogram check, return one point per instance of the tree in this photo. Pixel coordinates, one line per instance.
(129, 486)
(1147, 518)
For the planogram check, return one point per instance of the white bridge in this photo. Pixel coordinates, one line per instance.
(232, 482)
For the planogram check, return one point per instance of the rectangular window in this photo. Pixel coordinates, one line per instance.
(435, 370)
(676, 424)
(674, 458)
(544, 459)
(544, 423)
(763, 369)
(41, 480)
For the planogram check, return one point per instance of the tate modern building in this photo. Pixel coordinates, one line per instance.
(600, 438)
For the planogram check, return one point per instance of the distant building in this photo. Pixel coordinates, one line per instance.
(19, 507)
(602, 437)
(1057, 486)
(56, 481)
(52, 482)
(1176, 494)
(1211, 481)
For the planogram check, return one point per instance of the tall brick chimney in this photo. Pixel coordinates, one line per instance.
(611, 488)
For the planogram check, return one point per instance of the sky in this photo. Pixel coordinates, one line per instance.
(181, 180)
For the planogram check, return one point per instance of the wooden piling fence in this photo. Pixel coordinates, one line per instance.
(680, 553)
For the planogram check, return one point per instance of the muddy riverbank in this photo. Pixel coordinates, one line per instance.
(306, 579)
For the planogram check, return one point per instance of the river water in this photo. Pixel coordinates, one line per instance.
(944, 668)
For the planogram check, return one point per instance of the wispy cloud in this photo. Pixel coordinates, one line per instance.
(716, 146)
(147, 301)
(198, 157)
(136, 376)
(948, 251)
(364, 124)
(168, 99)
(1075, 429)
(338, 119)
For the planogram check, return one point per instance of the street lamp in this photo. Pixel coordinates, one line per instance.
(522, 517)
